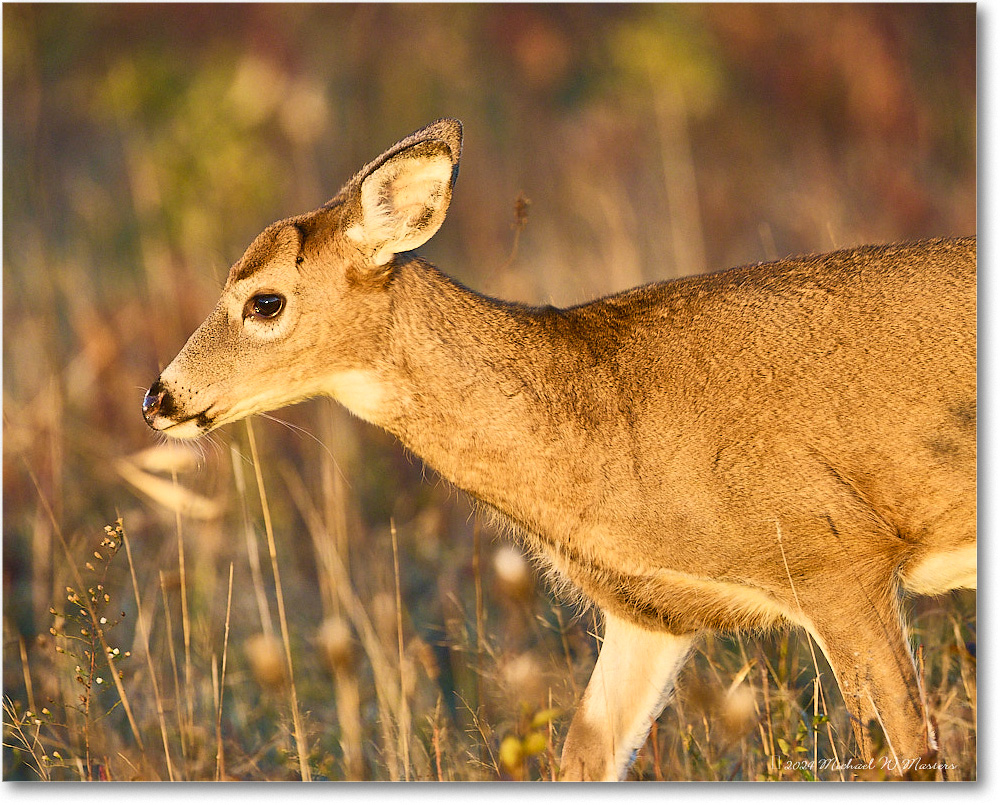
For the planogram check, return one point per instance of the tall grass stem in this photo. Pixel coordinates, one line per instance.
(144, 628)
(300, 742)
(220, 768)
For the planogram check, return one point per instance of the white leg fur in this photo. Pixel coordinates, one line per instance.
(631, 683)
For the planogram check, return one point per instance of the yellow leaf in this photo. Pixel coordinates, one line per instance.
(534, 743)
(543, 717)
(511, 752)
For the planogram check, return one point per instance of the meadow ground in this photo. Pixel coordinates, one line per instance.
(298, 597)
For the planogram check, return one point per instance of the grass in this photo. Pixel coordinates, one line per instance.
(299, 599)
(352, 686)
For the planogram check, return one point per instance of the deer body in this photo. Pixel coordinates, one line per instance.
(792, 442)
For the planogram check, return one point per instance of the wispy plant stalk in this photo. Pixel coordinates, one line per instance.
(300, 743)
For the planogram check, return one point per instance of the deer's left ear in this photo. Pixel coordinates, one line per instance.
(403, 196)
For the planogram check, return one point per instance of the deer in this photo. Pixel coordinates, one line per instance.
(789, 443)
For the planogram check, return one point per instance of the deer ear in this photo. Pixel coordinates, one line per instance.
(403, 196)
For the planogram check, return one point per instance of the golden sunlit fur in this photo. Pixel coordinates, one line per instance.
(791, 442)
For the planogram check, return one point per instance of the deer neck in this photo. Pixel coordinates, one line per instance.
(472, 386)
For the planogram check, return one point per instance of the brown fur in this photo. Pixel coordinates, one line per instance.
(792, 441)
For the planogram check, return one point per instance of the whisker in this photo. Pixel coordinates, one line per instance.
(210, 441)
(299, 430)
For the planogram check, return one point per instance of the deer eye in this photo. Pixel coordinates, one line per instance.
(264, 306)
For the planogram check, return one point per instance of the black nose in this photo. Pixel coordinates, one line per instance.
(153, 401)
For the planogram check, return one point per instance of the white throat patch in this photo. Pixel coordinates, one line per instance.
(362, 392)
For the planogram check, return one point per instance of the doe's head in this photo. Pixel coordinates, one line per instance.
(308, 303)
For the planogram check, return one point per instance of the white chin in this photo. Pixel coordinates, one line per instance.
(189, 429)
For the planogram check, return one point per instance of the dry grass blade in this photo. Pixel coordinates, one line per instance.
(124, 219)
(182, 732)
(404, 708)
(185, 616)
(144, 632)
(14, 730)
(220, 765)
(331, 563)
(385, 690)
(477, 575)
(253, 554)
(818, 689)
(300, 743)
(170, 495)
(78, 580)
(172, 456)
(29, 689)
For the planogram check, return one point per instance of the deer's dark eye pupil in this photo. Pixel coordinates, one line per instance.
(266, 305)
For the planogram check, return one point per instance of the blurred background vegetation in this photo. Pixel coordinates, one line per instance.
(605, 145)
